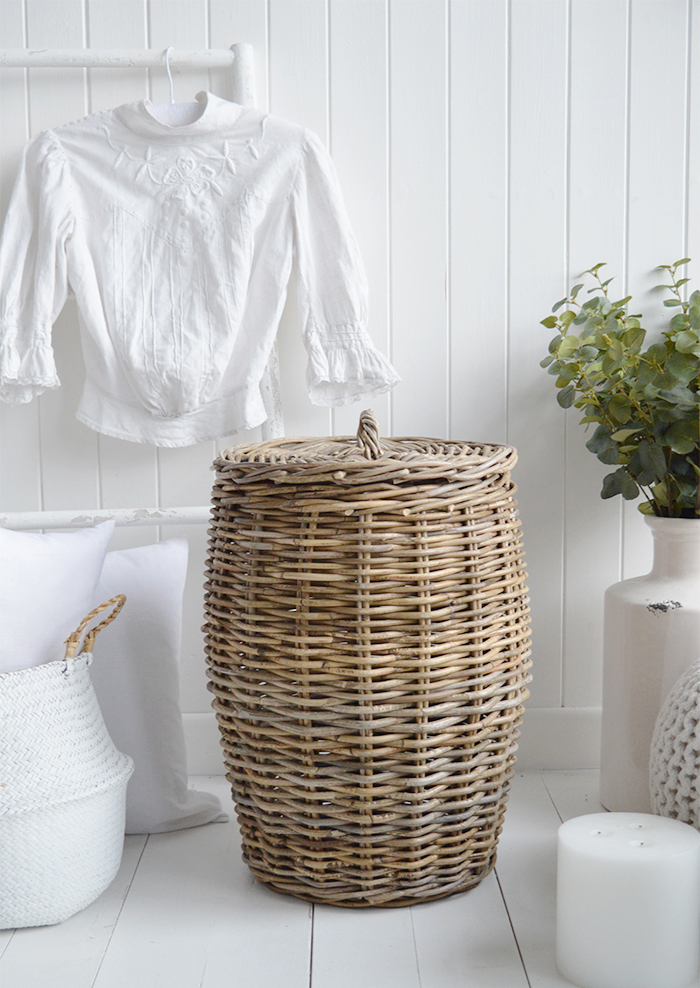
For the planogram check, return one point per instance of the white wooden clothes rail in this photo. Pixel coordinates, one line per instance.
(28, 521)
(239, 58)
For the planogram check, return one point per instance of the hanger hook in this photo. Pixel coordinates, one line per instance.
(167, 69)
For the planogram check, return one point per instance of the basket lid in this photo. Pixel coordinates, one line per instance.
(346, 459)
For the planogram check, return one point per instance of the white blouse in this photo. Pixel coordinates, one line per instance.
(178, 243)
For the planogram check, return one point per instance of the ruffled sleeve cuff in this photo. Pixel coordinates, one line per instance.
(344, 366)
(23, 375)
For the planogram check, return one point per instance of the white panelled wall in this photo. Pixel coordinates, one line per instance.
(489, 151)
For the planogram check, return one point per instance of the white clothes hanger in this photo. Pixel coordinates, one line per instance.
(174, 114)
(169, 71)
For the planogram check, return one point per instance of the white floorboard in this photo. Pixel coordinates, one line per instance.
(185, 912)
(196, 917)
(467, 941)
(573, 793)
(526, 869)
(363, 947)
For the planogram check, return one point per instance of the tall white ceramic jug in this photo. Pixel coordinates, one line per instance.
(651, 636)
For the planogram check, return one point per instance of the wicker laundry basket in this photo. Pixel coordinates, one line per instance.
(62, 788)
(367, 643)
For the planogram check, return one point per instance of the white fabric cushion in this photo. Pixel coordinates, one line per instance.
(47, 586)
(135, 674)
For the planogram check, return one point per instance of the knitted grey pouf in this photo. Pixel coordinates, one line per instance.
(674, 763)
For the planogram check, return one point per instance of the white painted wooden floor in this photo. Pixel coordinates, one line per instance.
(184, 912)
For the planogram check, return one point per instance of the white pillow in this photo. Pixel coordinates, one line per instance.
(135, 674)
(47, 587)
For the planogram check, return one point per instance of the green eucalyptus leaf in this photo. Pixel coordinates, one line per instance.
(612, 485)
(665, 415)
(569, 372)
(634, 337)
(609, 456)
(683, 260)
(550, 322)
(645, 375)
(679, 396)
(630, 489)
(566, 396)
(623, 434)
(681, 466)
(645, 478)
(619, 482)
(656, 354)
(547, 361)
(683, 366)
(601, 435)
(682, 436)
(653, 459)
(660, 494)
(620, 409)
(567, 346)
(680, 320)
(687, 341)
(670, 302)
(687, 489)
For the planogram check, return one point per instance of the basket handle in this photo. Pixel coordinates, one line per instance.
(73, 639)
(368, 435)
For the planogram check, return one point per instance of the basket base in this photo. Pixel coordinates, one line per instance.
(56, 860)
(365, 899)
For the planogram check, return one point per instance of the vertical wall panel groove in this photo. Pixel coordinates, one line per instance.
(596, 222)
(418, 197)
(358, 109)
(656, 222)
(538, 216)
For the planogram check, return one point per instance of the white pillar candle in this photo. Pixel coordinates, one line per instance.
(628, 901)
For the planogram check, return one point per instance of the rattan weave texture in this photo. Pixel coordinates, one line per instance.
(367, 643)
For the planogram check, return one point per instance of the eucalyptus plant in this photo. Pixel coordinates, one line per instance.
(644, 400)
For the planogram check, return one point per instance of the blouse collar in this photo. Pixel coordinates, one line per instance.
(217, 115)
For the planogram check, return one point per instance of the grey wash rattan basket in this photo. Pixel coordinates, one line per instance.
(367, 643)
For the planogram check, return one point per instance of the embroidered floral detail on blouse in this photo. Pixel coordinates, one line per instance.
(189, 176)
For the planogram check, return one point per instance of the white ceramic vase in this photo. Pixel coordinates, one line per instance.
(651, 636)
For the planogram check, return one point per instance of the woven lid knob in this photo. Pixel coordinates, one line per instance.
(368, 435)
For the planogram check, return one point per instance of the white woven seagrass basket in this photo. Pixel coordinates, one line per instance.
(62, 788)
